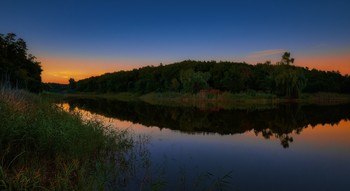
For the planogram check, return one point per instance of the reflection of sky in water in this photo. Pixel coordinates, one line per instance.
(318, 158)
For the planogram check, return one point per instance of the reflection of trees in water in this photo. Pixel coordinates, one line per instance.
(280, 122)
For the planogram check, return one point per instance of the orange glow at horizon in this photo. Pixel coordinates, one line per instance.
(59, 70)
(326, 134)
(331, 61)
(339, 63)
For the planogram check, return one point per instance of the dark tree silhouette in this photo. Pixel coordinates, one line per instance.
(289, 80)
(18, 69)
(72, 83)
(283, 78)
(286, 59)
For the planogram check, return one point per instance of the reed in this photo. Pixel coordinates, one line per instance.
(43, 147)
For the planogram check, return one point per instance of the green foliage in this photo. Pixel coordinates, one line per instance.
(193, 82)
(18, 69)
(289, 81)
(44, 147)
(322, 81)
(190, 76)
(263, 77)
(236, 78)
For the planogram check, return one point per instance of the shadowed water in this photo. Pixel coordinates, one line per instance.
(290, 147)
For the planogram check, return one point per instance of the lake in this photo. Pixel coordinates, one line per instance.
(288, 147)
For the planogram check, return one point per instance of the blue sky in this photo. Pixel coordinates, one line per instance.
(142, 32)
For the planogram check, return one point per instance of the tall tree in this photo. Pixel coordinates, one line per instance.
(72, 83)
(289, 80)
(286, 59)
(18, 69)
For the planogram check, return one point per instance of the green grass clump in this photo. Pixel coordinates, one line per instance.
(44, 147)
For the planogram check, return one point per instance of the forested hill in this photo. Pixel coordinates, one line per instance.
(282, 78)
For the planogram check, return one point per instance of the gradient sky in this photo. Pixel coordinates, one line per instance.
(80, 38)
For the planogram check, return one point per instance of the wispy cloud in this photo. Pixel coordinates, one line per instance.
(267, 53)
(272, 55)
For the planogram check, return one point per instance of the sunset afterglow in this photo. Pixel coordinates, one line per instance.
(59, 70)
(81, 39)
(340, 62)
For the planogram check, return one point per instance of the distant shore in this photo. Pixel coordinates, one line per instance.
(222, 100)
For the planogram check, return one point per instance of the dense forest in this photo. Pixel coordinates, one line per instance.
(282, 78)
(18, 69)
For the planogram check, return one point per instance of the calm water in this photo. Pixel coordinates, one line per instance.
(287, 148)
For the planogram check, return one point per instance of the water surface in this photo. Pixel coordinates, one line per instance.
(289, 147)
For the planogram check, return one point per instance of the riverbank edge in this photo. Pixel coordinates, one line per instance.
(45, 147)
(222, 100)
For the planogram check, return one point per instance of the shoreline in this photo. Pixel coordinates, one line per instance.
(217, 101)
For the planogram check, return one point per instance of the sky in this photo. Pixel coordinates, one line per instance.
(83, 38)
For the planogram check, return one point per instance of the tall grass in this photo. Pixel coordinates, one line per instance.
(44, 147)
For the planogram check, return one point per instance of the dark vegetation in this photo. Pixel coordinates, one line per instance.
(56, 88)
(279, 122)
(60, 88)
(43, 147)
(18, 69)
(282, 79)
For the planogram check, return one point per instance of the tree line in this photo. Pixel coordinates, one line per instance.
(282, 78)
(18, 69)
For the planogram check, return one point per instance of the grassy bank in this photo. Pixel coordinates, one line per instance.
(204, 100)
(246, 100)
(123, 96)
(223, 100)
(42, 147)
